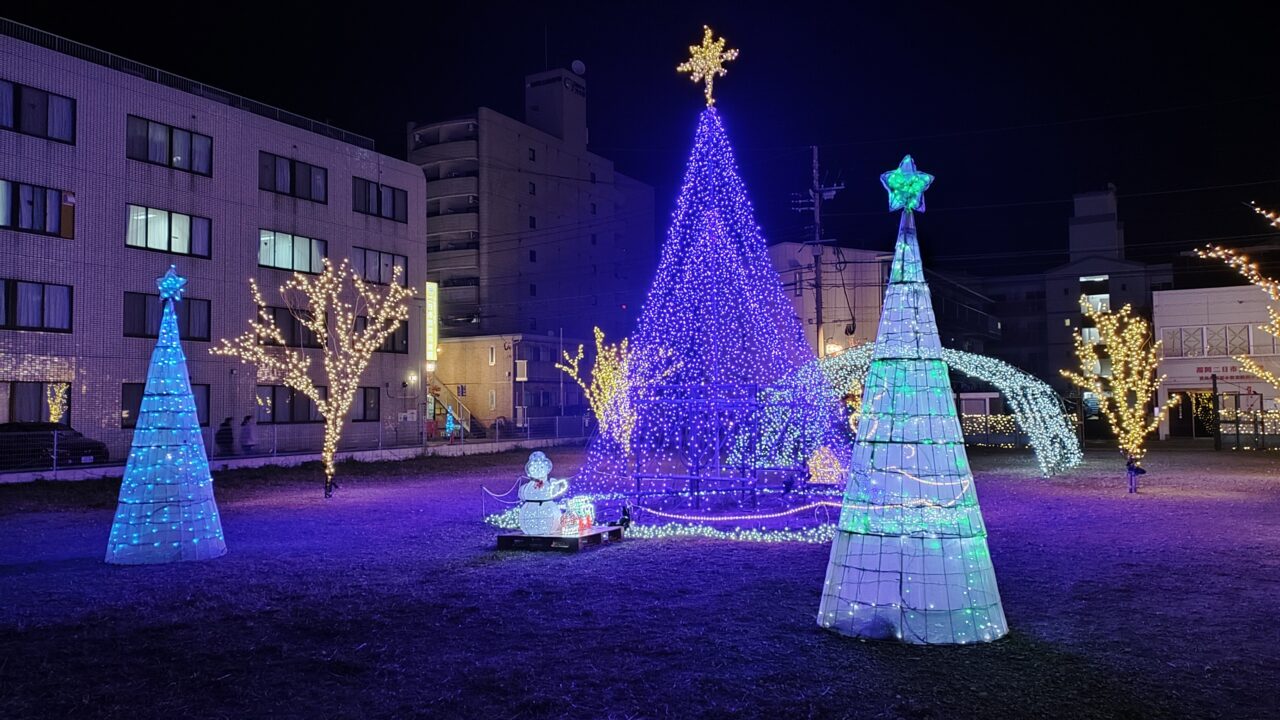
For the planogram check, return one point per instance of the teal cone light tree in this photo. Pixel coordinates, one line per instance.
(166, 512)
(910, 560)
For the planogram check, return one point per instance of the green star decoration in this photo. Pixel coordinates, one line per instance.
(906, 186)
(171, 284)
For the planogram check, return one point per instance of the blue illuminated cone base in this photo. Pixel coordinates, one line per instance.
(910, 561)
(166, 511)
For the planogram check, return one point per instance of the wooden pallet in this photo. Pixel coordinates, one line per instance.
(599, 535)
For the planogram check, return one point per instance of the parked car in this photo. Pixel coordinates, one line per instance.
(30, 445)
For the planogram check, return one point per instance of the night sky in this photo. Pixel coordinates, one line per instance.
(1014, 109)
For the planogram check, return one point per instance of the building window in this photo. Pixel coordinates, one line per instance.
(35, 306)
(1238, 339)
(291, 252)
(29, 401)
(367, 406)
(281, 405)
(533, 223)
(462, 391)
(1193, 342)
(493, 355)
(533, 290)
(292, 177)
(397, 342)
(295, 332)
(142, 313)
(533, 189)
(533, 256)
(533, 155)
(37, 209)
(160, 144)
(32, 111)
(171, 232)
(593, 208)
(493, 399)
(593, 177)
(379, 267)
(131, 403)
(372, 198)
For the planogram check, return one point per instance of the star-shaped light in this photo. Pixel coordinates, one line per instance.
(171, 284)
(906, 186)
(706, 61)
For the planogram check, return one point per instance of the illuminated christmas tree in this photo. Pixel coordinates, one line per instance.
(726, 396)
(166, 512)
(910, 558)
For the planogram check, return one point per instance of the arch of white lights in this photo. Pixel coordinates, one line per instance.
(1036, 407)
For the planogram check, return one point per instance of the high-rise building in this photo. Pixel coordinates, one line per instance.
(527, 230)
(111, 171)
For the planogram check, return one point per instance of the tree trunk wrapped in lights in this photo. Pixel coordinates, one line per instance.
(350, 320)
(1124, 394)
(910, 560)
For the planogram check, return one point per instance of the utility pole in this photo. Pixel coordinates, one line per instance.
(817, 194)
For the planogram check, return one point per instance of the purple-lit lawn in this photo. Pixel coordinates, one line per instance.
(389, 601)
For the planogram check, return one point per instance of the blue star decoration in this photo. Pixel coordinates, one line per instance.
(906, 186)
(171, 284)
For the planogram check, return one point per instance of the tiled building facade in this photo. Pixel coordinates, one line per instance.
(107, 177)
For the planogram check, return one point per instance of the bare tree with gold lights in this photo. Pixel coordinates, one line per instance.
(1125, 392)
(349, 318)
(607, 389)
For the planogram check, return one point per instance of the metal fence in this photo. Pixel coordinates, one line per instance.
(46, 446)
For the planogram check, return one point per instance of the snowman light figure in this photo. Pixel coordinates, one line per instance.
(539, 509)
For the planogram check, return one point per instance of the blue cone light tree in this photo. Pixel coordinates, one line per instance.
(910, 559)
(166, 511)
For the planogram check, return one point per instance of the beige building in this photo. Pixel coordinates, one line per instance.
(1201, 333)
(511, 382)
(110, 171)
(527, 230)
(853, 284)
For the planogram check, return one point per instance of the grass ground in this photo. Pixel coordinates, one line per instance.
(389, 601)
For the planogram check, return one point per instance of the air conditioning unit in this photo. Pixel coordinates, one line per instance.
(522, 371)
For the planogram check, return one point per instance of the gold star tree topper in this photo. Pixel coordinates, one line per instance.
(706, 61)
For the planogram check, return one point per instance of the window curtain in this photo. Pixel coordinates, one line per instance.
(158, 143)
(26, 400)
(136, 234)
(62, 118)
(30, 302)
(200, 236)
(202, 154)
(57, 307)
(6, 104)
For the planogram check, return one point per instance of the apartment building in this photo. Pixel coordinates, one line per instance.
(527, 230)
(111, 170)
(1041, 312)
